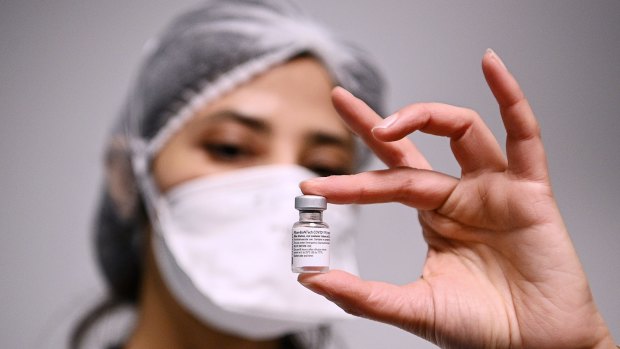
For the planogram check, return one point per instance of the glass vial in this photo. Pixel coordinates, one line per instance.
(311, 236)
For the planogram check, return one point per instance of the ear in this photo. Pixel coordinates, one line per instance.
(120, 180)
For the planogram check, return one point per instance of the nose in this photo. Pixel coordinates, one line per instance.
(285, 153)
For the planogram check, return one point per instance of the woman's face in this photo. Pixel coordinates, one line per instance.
(284, 116)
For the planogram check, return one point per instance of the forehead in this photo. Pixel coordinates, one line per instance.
(295, 97)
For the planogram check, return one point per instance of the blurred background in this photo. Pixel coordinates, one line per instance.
(66, 64)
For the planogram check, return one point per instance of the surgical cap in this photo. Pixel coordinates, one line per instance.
(200, 56)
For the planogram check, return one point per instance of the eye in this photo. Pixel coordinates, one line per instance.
(227, 151)
(328, 160)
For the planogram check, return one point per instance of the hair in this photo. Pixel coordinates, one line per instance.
(203, 54)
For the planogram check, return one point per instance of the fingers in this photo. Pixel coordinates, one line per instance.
(361, 119)
(422, 189)
(408, 307)
(472, 143)
(524, 148)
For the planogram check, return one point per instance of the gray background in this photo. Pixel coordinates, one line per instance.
(65, 65)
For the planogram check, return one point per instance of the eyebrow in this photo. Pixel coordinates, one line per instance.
(322, 138)
(251, 122)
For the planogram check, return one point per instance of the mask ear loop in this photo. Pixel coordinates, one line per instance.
(141, 160)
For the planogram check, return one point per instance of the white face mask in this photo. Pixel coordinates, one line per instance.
(223, 246)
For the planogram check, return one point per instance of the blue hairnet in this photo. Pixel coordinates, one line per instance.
(200, 56)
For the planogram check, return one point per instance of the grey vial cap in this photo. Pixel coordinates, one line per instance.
(310, 202)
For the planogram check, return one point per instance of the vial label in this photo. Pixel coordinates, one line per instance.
(310, 247)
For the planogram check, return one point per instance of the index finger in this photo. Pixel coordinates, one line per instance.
(361, 119)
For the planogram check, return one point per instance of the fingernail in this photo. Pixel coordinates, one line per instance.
(302, 280)
(387, 122)
(496, 57)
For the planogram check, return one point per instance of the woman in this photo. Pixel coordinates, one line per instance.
(500, 272)
(231, 111)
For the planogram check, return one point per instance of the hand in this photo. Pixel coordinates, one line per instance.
(501, 271)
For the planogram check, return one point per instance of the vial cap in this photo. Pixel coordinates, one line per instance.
(310, 202)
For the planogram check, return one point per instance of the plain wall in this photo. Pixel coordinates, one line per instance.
(65, 66)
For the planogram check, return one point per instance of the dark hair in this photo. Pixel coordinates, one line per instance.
(118, 247)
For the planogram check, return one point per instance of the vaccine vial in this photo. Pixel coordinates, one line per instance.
(311, 237)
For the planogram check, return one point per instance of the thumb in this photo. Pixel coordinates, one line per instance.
(409, 307)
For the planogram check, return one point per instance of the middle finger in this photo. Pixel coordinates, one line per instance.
(473, 144)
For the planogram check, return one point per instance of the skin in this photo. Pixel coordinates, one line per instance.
(501, 271)
(283, 116)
